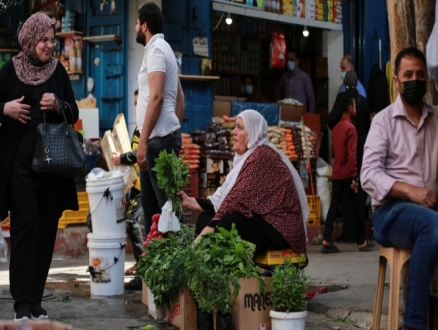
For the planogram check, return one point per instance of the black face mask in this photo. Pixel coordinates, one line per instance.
(413, 91)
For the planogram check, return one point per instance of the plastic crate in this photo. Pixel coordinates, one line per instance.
(76, 217)
(314, 203)
(276, 257)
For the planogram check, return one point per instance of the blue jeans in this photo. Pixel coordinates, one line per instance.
(152, 197)
(404, 224)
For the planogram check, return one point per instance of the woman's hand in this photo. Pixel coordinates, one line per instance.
(17, 110)
(189, 202)
(115, 159)
(48, 103)
(206, 230)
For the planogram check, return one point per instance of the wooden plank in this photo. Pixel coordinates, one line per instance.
(108, 147)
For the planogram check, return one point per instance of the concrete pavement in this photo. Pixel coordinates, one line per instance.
(352, 273)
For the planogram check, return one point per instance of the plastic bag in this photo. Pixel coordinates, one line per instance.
(168, 219)
(224, 322)
(3, 249)
(204, 320)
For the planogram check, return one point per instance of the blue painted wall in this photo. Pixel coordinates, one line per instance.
(364, 23)
(185, 20)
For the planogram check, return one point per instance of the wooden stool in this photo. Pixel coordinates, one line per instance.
(396, 259)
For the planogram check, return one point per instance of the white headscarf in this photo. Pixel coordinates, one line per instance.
(257, 129)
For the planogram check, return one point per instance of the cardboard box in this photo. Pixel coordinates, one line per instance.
(144, 293)
(221, 108)
(291, 113)
(251, 308)
(276, 257)
(182, 313)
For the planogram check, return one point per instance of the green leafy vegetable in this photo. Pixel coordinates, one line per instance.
(172, 176)
(214, 265)
(162, 266)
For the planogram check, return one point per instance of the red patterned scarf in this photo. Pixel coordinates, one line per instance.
(33, 29)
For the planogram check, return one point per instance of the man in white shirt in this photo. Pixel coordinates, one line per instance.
(160, 107)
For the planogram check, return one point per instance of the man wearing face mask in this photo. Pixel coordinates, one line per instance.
(296, 84)
(400, 172)
(347, 64)
(250, 93)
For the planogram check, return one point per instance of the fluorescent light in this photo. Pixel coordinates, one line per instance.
(305, 32)
(229, 20)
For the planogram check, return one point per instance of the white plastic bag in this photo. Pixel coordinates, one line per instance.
(3, 248)
(168, 220)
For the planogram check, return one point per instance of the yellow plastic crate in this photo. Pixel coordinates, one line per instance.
(276, 257)
(314, 203)
(76, 217)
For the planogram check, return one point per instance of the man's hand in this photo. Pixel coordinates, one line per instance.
(17, 110)
(354, 186)
(141, 156)
(115, 159)
(423, 196)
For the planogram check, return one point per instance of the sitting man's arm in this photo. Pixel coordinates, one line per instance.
(374, 179)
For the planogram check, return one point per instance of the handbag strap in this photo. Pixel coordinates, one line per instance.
(63, 114)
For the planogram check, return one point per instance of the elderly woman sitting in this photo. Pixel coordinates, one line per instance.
(263, 194)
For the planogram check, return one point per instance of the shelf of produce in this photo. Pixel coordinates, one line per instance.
(197, 78)
(66, 34)
(103, 38)
(226, 7)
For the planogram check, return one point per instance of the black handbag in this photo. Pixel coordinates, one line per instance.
(58, 150)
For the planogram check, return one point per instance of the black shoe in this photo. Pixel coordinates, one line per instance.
(22, 315)
(38, 313)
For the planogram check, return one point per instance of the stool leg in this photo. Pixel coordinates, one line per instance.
(379, 294)
(394, 294)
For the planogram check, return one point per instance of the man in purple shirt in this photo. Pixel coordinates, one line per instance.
(400, 172)
(296, 84)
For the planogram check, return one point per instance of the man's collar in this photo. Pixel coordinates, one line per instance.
(400, 110)
(155, 36)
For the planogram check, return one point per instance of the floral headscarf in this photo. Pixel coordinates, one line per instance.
(28, 66)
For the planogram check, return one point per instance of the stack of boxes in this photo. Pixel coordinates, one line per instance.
(310, 9)
(337, 11)
(287, 7)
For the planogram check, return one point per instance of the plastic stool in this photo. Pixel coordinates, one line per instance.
(396, 259)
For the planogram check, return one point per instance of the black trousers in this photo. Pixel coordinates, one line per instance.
(34, 225)
(338, 189)
(255, 230)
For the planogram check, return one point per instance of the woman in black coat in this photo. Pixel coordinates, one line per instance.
(28, 85)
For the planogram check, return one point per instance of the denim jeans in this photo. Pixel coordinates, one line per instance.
(404, 224)
(152, 197)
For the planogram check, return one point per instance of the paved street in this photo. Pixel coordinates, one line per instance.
(350, 272)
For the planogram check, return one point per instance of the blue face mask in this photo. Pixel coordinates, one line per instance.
(291, 66)
(248, 89)
(343, 75)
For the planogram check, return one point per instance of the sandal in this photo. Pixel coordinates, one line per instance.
(368, 247)
(330, 249)
(134, 284)
(131, 271)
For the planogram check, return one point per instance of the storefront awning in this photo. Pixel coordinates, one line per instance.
(232, 8)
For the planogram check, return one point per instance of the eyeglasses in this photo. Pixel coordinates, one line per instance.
(48, 40)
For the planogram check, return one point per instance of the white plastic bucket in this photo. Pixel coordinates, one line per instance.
(94, 238)
(107, 213)
(108, 261)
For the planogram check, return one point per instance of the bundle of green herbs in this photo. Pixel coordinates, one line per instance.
(289, 285)
(172, 176)
(162, 265)
(214, 264)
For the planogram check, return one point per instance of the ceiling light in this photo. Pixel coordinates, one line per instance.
(305, 32)
(229, 20)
